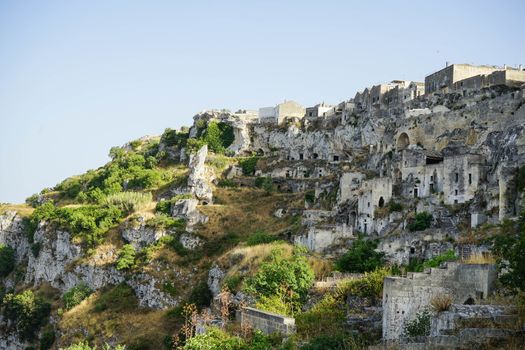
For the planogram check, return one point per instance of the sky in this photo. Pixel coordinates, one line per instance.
(78, 77)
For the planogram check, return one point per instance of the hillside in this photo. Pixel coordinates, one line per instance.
(161, 246)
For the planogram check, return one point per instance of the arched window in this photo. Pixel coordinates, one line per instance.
(381, 202)
(403, 141)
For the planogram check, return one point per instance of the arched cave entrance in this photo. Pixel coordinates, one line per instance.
(402, 142)
(469, 301)
(381, 202)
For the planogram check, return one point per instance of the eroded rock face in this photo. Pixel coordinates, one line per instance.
(187, 209)
(56, 253)
(12, 234)
(190, 241)
(149, 295)
(139, 235)
(199, 178)
(215, 277)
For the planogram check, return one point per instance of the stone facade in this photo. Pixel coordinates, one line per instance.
(403, 298)
(281, 112)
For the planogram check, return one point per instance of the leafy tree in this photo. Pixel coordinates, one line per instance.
(248, 165)
(509, 247)
(27, 311)
(75, 295)
(7, 260)
(422, 221)
(292, 277)
(126, 257)
(361, 257)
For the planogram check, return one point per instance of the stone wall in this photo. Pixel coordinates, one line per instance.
(403, 298)
(266, 322)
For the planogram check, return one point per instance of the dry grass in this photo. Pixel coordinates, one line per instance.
(23, 210)
(481, 259)
(246, 260)
(441, 303)
(244, 211)
(322, 267)
(122, 326)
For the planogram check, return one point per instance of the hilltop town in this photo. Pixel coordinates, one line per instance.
(388, 206)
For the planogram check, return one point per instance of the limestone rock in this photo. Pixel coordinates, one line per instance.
(12, 234)
(139, 235)
(198, 179)
(215, 277)
(145, 287)
(190, 241)
(187, 209)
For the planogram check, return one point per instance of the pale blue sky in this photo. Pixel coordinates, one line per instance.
(78, 77)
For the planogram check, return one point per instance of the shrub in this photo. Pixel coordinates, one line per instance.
(85, 346)
(117, 298)
(441, 302)
(264, 183)
(165, 222)
(276, 303)
(214, 339)
(369, 286)
(361, 257)
(163, 207)
(309, 197)
(218, 136)
(292, 277)
(422, 221)
(417, 265)
(509, 246)
(27, 311)
(226, 183)
(47, 338)
(75, 295)
(395, 206)
(194, 145)
(201, 295)
(171, 137)
(7, 260)
(129, 202)
(420, 326)
(126, 257)
(33, 200)
(260, 237)
(233, 282)
(334, 342)
(248, 165)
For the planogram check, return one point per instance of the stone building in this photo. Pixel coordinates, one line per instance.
(373, 194)
(403, 298)
(466, 76)
(281, 112)
(388, 95)
(318, 111)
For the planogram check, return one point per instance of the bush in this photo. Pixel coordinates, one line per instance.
(226, 183)
(129, 202)
(420, 326)
(85, 346)
(75, 295)
(395, 206)
(248, 165)
(292, 277)
(309, 197)
(361, 257)
(7, 260)
(422, 221)
(47, 338)
(333, 342)
(509, 246)
(166, 222)
(118, 298)
(264, 183)
(126, 257)
(233, 282)
(27, 311)
(194, 145)
(260, 237)
(200, 295)
(370, 286)
(215, 339)
(163, 207)
(218, 136)
(416, 265)
(171, 137)
(441, 302)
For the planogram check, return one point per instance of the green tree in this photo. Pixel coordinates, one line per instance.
(422, 221)
(7, 260)
(361, 257)
(509, 247)
(292, 277)
(27, 311)
(75, 295)
(126, 257)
